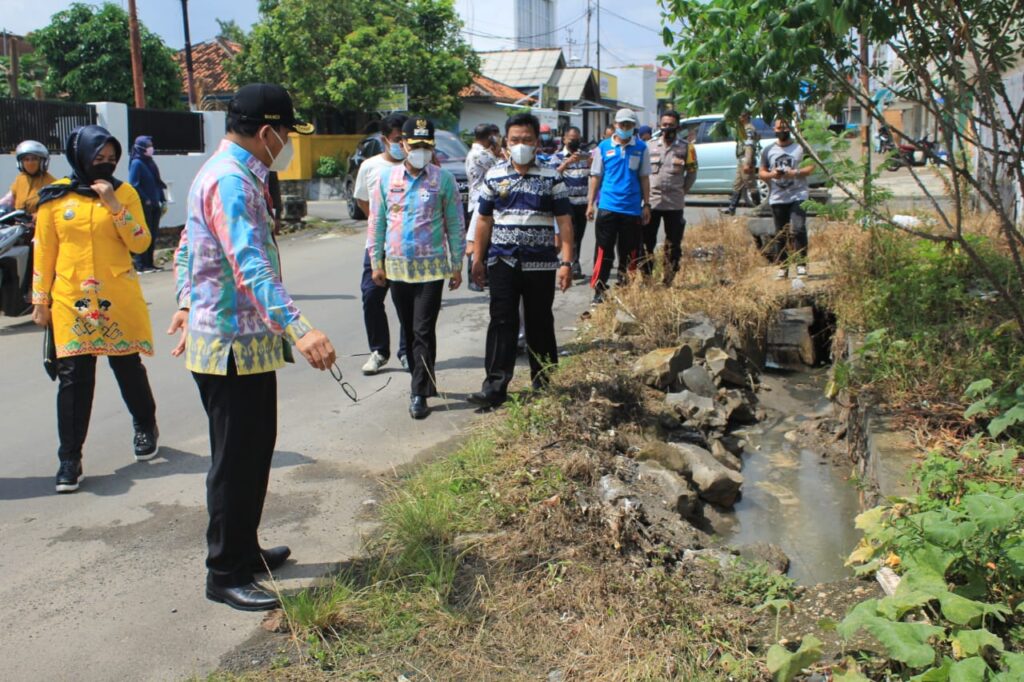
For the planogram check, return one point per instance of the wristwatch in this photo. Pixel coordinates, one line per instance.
(564, 264)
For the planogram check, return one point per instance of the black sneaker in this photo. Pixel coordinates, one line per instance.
(146, 444)
(69, 475)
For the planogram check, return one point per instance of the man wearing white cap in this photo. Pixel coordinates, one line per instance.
(621, 169)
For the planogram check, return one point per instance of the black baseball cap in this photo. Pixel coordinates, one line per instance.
(267, 103)
(418, 131)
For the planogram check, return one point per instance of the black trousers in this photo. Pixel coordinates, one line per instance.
(375, 317)
(242, 412)
(76, 385)
(615, 232)
(418, 306)
(794, 216)
(675, 224)
(536, 290)
(579, 228)
(145, 259)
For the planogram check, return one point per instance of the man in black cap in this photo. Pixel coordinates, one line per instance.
(237, 325)
(417, 238)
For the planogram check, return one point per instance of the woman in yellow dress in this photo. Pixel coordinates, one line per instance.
(84, 284)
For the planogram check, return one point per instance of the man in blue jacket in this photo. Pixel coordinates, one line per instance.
(621, 172)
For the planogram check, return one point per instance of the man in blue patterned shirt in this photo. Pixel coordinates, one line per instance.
(573, 165)
(515, 236)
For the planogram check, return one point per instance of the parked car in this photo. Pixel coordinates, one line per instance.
(451, 154)
(716, 153)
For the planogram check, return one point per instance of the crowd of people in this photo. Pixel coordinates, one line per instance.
(531, 201)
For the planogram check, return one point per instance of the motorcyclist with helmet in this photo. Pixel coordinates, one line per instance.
(33, 164)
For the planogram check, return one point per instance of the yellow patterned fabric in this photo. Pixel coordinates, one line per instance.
(83, 270)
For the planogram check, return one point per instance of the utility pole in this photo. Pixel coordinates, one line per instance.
(865, 84)
(589, 12)
(189, 78)
(599, 49)
(136, 48)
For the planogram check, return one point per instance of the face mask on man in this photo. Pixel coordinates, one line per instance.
(522, 153)
(395, 151)
(668, 131)
(419, 157)
(782, 135)
(102, 171)
(573, 146)
(624, 134)
(284, 157)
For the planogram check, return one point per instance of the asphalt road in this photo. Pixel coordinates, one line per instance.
(107, 583)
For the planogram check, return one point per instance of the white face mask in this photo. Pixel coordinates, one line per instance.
(522, 153)
(419, 158)
(284, 158)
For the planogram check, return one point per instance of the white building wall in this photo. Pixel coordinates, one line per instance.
(534, 24)
(475, 113)
(177, 170)
(638, 85)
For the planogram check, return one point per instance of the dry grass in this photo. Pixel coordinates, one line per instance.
(543, 582)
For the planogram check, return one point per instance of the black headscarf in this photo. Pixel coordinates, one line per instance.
(143, 142)
(83, 145)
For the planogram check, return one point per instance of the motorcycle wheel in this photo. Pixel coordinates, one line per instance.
(894, 163)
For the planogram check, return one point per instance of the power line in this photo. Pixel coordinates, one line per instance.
(536, 35)
(630, 21)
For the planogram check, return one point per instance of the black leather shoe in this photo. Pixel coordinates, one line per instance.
(482, 399)
(418, 407)
(249, 597)
(271, 559)
(146, 444)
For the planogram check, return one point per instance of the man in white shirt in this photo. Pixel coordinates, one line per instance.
(481, 158)
(375, 317)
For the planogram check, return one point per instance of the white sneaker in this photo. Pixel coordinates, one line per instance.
(374, 364)
(782, 273)
(801, 271)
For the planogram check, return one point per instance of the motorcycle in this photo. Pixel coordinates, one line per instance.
(16, 231)
(885, 141)
(916, 154)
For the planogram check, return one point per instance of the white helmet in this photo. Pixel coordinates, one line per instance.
(36, 149)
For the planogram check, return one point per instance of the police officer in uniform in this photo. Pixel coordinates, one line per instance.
(747, 146)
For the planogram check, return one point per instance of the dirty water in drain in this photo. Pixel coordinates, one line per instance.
(794, 497)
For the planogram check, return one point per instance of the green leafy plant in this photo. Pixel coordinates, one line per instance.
(329, 167)
(1004, 407)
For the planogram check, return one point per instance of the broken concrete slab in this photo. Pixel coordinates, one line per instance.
(700, 338)
(660, 368)
(677, 494)
(726, 368)
(717, 483)
(767, 553)
(699, 380)
(665, 454)
(724, 457)
(625, 324)
(738, 409)
(689, 404)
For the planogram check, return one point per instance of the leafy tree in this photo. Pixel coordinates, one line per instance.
(31, 69)
(346, 56)
(87, 50)
(230, 30)
(949, 57)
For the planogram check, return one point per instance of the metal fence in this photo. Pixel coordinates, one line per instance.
(173, 132)
(47, 122)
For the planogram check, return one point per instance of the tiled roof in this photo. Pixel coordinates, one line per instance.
(211, 78)
(488, 88)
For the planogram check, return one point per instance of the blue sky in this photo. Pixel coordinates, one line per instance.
(623, 41)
